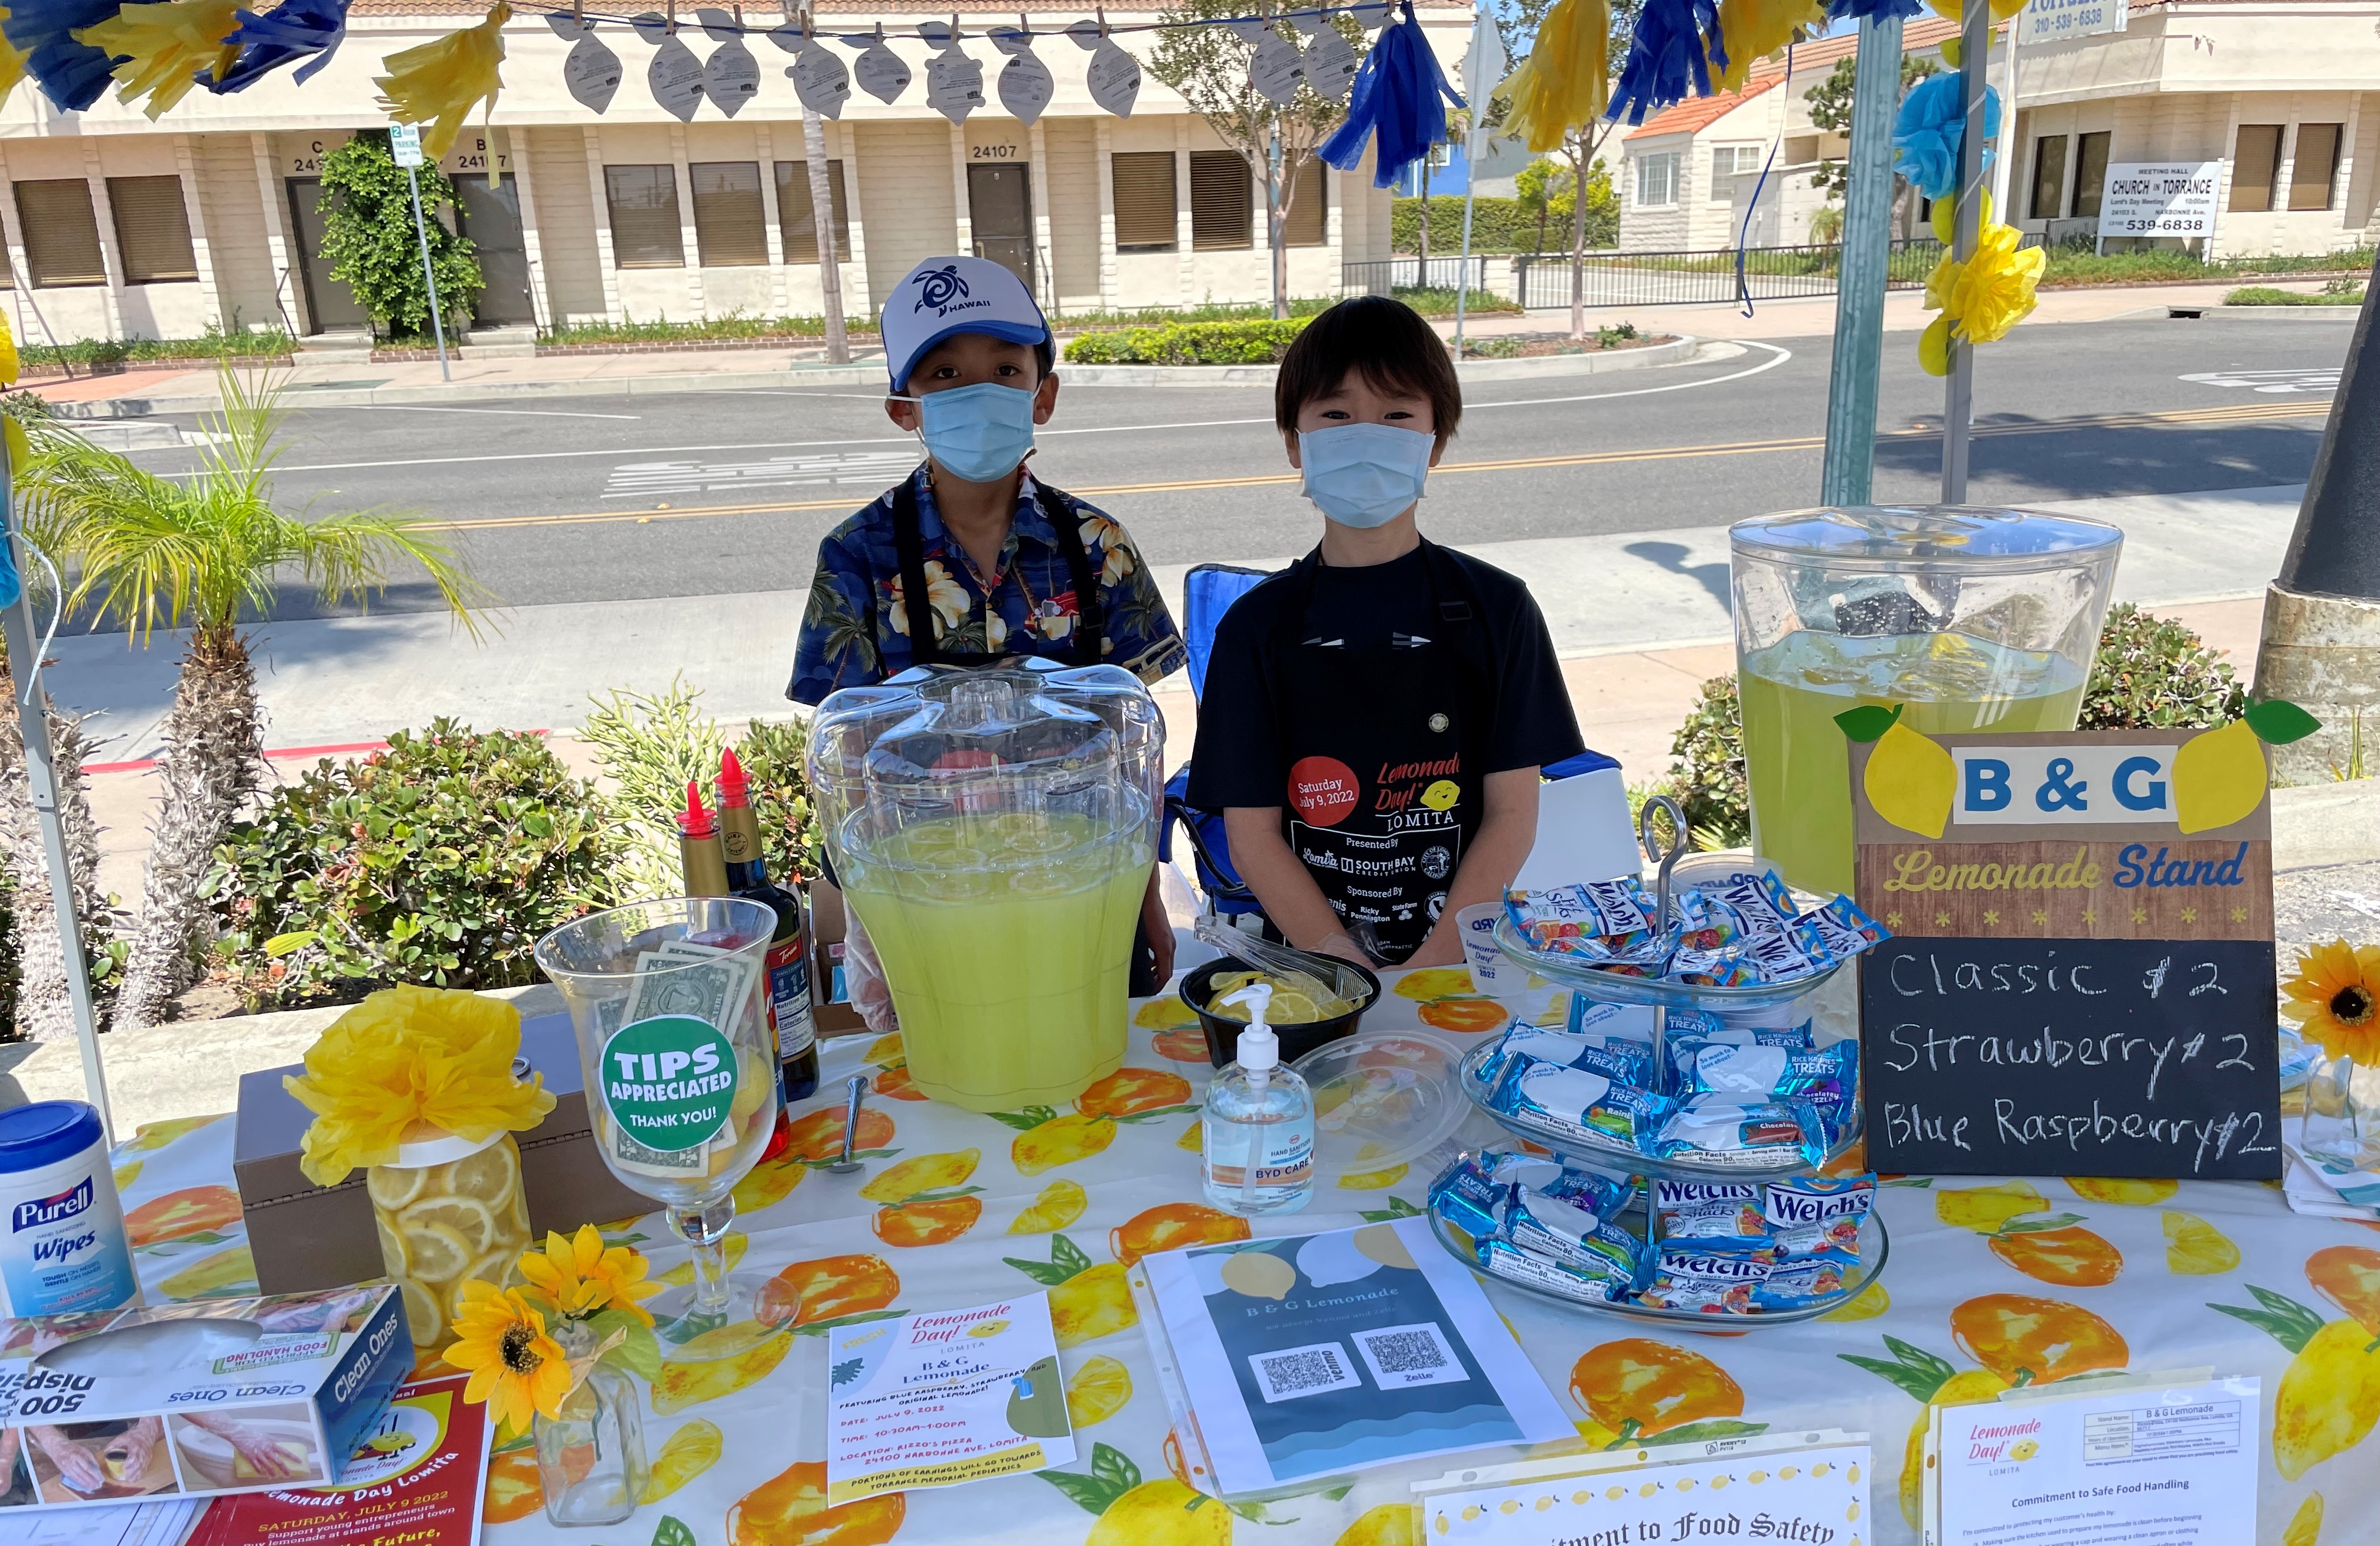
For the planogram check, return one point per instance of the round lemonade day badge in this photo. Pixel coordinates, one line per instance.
(669, 1081)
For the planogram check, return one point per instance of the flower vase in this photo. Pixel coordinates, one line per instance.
(2340, 1130)
(591, 1455)
(449, 1210)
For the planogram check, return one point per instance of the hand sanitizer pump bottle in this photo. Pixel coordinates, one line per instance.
(1258, 1123)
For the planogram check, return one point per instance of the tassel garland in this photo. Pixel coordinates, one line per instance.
(1755, 28)
(1932, 126)
(12, 62)
(307, 29)
(1565, 83)
(1676, 40)
(162, 49)
(436, 84)
(71, 74)
(1401, 94)
(1881, 10)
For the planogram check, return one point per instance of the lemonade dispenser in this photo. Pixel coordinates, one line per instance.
(1977, 619)
(993, 829)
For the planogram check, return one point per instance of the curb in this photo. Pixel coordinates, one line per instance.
(2242, 313)
(1677, 351)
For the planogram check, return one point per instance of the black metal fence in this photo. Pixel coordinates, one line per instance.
(1709, 277)
(1386, 276)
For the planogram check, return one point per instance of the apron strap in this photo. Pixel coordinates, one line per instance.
(909, 544)
(1089, 634)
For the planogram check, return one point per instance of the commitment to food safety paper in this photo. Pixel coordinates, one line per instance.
(942, 1398)
(2170, 1463)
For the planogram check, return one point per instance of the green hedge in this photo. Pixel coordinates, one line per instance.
(1497, 225)
(213, 345)
(2267, 295)
(1261, 343)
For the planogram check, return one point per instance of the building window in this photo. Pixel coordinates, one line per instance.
(1222, 204)
(1734, 161)
(1143, 183)
(729, 229)
(795, 220)
(152, 230)
(2048, 176)
(1656, 181)
(2314, 167)
(2090, 175)
(1309, 206)
(61, 234)
(644, 217)
(2255, 161)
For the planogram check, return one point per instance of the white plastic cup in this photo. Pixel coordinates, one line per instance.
(1492, 972)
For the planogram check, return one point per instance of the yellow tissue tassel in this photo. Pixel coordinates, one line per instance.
(1955, 10)
(12, 61)
(1565, 83)
(438, 83)
(1980, 299)
(1755, 28)
(1944, 216)
(169, 43)
(8, 362)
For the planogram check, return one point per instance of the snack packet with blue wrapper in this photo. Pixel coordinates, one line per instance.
(1564, 1232)
(1557, 917)
(1684, 1044)
(1837, 930)
(1713, 1282)
(1623, 1062)
(1575, 1104)
(1468, 1196)
(1771, 1072)
(1753, 1135)
(1799, 1281)
(1709, 1211)
(1505, 1259)
(1811, 1214)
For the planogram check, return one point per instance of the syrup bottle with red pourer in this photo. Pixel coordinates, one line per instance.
(789, 967)
(704, 862)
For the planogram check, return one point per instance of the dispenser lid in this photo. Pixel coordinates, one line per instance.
(1380, 1099)
(1896, 537)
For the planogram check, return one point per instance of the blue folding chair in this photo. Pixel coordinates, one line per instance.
(1208, 592)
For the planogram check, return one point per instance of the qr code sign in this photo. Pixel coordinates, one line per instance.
(1294, 1371)
(1404, 1356)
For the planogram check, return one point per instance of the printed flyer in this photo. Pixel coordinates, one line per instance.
(942, 1398)
(414, 1478)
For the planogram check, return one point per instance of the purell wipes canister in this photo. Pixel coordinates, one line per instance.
(62, 1243)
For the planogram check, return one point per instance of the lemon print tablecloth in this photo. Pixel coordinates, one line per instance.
(1992, 1283)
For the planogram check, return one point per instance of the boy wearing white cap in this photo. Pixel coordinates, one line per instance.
(970, 559)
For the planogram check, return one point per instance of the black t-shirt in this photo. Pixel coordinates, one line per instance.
(1239, 759)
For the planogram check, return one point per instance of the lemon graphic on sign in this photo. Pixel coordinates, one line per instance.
(1911, 778)
(2023, 1449)
(2219, 777)
(1441, 795)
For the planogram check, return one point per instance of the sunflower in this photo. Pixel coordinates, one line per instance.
(579, 1277)
(516, 1368)
(2335, 997)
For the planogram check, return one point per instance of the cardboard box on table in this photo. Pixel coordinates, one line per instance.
(209, 1397)
(306, 1236)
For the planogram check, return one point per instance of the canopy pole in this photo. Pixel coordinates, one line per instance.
(1959, 396)
(1849, 474)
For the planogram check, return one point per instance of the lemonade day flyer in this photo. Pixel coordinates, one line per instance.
(1322, 1355)
(939, 1398)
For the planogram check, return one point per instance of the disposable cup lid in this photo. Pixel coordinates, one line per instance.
(1381, 1098)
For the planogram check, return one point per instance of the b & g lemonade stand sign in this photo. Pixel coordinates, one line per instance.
(2079, 980)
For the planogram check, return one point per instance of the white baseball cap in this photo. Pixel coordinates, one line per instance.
(943, 296)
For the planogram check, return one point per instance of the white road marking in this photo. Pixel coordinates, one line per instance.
(2312, 380)
(644, 480)
(516, 413)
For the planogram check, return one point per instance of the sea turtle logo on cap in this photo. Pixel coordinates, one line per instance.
(940, 286)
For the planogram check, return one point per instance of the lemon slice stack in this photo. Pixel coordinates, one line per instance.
(442, 1225)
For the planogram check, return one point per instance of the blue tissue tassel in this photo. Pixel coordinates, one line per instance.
(1860, 10)
(1398, 91)
(1931, 127)
(288, 32)
(72, 75)
(1675, 40)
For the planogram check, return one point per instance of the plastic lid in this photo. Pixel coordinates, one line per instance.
(1381, 1098)
(1892, 537)
(45, 1132)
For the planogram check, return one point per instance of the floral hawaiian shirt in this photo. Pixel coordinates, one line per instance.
(856, 630)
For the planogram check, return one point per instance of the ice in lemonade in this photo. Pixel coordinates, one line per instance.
(1006, 940)
(443, 1224)
(1797, 760)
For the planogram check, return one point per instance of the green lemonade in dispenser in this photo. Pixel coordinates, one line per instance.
(993, 830)
(1976, 619)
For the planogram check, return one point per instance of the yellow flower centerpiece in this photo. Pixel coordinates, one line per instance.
(2335, 998)
(416, 1086)
(1982, 298)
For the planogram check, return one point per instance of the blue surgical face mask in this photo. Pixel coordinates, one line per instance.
(979, 433)
(1364, 475)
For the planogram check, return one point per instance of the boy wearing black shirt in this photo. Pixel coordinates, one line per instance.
(1376, 714)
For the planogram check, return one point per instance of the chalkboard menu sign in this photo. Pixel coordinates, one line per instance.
(2080, 981)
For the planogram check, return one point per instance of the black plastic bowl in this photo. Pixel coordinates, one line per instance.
(1296, 1041)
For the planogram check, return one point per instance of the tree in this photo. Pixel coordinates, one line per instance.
(367, 234)
(1542, 189)
(1207, 65)
(1830, 112)
(206, 549)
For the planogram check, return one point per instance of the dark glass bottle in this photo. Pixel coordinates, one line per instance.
(789, 966)
(703, 865)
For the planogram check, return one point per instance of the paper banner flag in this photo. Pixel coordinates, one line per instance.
(307, 29)
(1026, 86)
(591, 73)
(954, 84)
(1312, 23)
(937, 34)
(1330, 65)
(676, 79)
(881, 73)
(1086, 34)
(1251, 28)
(567, 27)
(717, 25)
(731, 77)
(651, 26)
(1010, 39)
(1113, 76)
(821, 81)
(1275, 69)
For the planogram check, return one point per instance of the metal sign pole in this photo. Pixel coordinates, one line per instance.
(1849, 474)
(1958, 397)
(405, 145)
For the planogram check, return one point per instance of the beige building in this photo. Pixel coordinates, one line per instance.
(115, 227)
(2284, 94)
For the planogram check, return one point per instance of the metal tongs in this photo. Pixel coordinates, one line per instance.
(1681, 842)
(1275, 960)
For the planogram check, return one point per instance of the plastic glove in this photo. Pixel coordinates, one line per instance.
(863, 978)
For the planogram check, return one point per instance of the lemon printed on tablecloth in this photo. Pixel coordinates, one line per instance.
(1087, 1301)
(693, 1449)
(2329, 1395)
(1044, 1141)
(1061, 1203)
(1098, 1390)
(2195, 1247)
(1136, 1512)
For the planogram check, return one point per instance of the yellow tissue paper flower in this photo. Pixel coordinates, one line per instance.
(436, 84)
(1981, 299)
(578, 1276)
(1565, 82)
(1755, 28)
(12, 62)
(410, 1057)
(1954, 10)
(169, 43)
(8, 362)
(1944, 216)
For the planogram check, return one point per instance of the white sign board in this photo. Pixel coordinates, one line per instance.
(2049, 22)
(1753, 1492)
(404, 143)
(2159, 199)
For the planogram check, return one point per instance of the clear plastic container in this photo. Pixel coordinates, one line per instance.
(448, 1210)
(994, 829)
(1975, 618)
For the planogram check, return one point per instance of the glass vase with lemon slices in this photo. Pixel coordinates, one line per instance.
(448, 1209)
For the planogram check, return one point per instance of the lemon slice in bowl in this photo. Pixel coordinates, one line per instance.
(421, 1316)
(439, 1253)
(470, 1221)
(394, 1253)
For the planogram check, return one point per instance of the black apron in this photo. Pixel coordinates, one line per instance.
(1386, 750)
(909, 545)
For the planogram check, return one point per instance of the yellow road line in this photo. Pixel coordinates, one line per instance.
(2226, 413)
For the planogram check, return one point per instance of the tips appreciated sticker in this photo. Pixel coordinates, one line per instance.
(669, 1081)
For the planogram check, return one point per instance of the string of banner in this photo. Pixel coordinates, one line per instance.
(1396, 96)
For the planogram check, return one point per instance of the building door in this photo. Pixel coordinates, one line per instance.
(492, 219)
(999, 208)
(329, 303)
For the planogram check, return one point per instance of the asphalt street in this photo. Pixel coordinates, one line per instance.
(594, 500)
